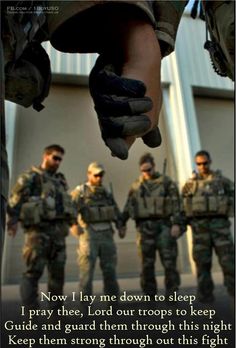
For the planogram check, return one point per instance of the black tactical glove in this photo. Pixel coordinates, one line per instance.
(121, 105)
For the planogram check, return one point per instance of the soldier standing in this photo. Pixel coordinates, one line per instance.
(96, 209)
(154, 203)
(41, 203)
(208, 202)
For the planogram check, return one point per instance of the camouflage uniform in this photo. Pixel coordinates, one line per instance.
(208, 202)
(96, 210)
(155, 205)
(40, 201)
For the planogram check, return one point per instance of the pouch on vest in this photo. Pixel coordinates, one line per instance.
(145, 207)
(223, 205)
(69, 212)
(107, 213)
(213, 204)
(187, 203)
(31, 213)
(199, 205)
(49, 208)
(168, 206)
(91, 214)
(159, 206)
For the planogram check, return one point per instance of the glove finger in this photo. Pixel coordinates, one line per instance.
(114, 127)
(133, 125)
(118, 147)
(112, 105)
(153, 138)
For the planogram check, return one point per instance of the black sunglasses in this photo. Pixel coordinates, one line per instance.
(147, 170)
(100, 175)
(202, 163)
(57, 158)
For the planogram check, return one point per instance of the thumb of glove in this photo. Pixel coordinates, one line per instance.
(120, 146)
(152, 138)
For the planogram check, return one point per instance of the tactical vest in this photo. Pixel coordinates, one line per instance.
(96, 204)
(50, 202)
(206, 198)
(148, 203)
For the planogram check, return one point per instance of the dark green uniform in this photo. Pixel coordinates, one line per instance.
(155, 205)
(208, 203)
(96, 210)
(41, 202)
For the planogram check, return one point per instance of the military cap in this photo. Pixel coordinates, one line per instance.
(96, 168)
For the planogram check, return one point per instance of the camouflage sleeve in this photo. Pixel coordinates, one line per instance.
(128, 205)
(76, 198)
(63, 181)
(229, 185)
(230, 188)
(188, 188)
(165, 17)
(19, 195)
(178, 217)
(118, 216)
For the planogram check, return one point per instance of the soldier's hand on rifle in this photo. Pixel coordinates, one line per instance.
(122, 232)
(125, 86)
(12, 229)
(175, 231)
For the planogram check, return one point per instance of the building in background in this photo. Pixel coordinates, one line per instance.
(198, 112)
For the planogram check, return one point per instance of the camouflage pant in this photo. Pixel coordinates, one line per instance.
(94, 244)
(152, 236)
(208, 234)
(41, 248)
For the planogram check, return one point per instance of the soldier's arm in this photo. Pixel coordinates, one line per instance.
(137, 39)
(117, 219)
(128, 206)
(76, 229)
(178, 218)
(76, 198)
(187, 188)
(231, 194)
(19, 195)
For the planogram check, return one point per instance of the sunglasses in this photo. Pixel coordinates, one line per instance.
(100, 175)
(202, 163)
(57, 158)
(148, 170)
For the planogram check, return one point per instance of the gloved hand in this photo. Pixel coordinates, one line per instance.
(121, 105)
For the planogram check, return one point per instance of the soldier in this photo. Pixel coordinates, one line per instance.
(96, 209)
(154, 203)
(40, 201)
(208, 202)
